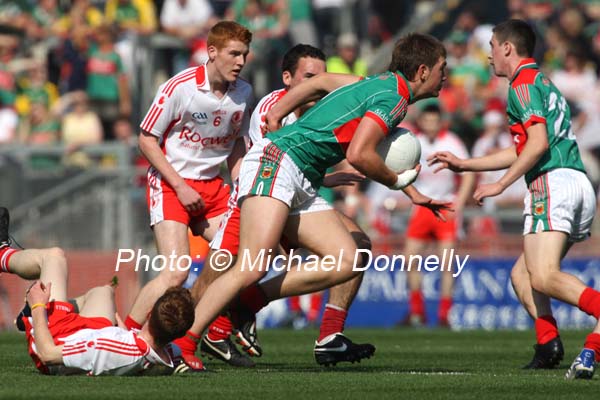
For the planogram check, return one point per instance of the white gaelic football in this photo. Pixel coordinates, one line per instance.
(400, 150)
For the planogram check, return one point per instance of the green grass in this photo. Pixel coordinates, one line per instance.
(428, 364)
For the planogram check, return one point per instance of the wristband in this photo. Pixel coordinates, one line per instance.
(36, 305)
(405, 179)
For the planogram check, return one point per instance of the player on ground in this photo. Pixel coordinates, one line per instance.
(282, 172)
(67, 336)
(299, 63)
(197, 121)
(560, 204)
(423, 228)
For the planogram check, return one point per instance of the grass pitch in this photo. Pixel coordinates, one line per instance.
(409, 364)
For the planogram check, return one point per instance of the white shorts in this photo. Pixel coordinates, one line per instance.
(560, 200)
(268, 171)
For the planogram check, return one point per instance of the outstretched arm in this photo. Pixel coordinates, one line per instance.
(492, 162)
(309, 90)
(37, 297)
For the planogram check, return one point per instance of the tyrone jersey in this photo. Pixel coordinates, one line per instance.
(442, 185)
(197, 130)
(262, 108)
(533, 98)
(320, 138)
(109, 351)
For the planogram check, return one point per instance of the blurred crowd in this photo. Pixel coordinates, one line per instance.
(66, 67)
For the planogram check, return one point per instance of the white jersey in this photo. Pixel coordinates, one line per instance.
(442, 185)
(197, 130)
(257, 121)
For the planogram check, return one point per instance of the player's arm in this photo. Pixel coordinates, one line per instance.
(309, 90)
(467, 183)
(535, 147)
(47, 351)
(492, 162)
(234, 161)
(150, 148)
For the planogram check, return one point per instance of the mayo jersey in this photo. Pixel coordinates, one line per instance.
(197, 130)
(320, 138)
(442, 185)
(533, 98)
(257, 120)
(109, 351)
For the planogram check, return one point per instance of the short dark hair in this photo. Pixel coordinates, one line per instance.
(293, 55)
(517, 32)
(413, 50)
(171, 316)
(432, 108)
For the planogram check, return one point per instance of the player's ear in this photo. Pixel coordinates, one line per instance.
(423, 72)
(212, 52)
(286, 78)
(507, 47)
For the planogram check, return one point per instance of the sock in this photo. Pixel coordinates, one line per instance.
(130, 323)
(220, 329)
(592, 341)
(5, 254)
(589, 302)
(253, 298)
(545, 329)
(444, 308)
(334, 319)
(316, 299)
(188, 343)
(295, 304)
(416, 304)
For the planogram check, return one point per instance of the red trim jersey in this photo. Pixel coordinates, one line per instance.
(533, 98)
(197, 130)
(257, 120)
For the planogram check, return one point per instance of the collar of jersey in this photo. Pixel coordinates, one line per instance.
(410, 93)
(527, 63)
(202, 82)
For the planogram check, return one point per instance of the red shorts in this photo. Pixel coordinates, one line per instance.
(164, 205)
(63, 321)
(423, 225)
(228, 235)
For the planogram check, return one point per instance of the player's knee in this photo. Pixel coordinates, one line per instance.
(173, 278)
(55, 254)
(538, 282)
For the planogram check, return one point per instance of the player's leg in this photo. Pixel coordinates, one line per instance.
(99, 302)
(447, 284)
(171, 238)
(416, 300)
(549, 350)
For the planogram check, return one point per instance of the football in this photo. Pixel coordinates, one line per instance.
(400, 150)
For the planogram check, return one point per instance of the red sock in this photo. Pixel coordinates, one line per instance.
(5, 254)
(316, 299)
(188, 343)
(592, 341)
(220, 329)
(416, 304)
(589, 302)
(130, 323)
(444, 308)
(333, 321)
(253, 298)
(545, 329)
(295, 304)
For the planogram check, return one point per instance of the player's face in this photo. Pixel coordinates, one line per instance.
(437, 77)
(496, 57)
(430, 123)
(230, 59)
(307, 68)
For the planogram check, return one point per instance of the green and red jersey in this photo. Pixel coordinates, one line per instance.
(320, 138)
(533, 98)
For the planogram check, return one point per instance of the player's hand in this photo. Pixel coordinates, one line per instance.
(39, 293)
(406, 178)
(487, 190)
(436, 206)
(272, 122)
(445, 159)
(342, 178)
(190, 199)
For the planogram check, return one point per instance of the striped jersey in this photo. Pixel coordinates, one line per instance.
(257, 120)
(320, 138)
(533, 98)
(197, 130)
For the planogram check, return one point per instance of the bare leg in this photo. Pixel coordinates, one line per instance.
(99, 302)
